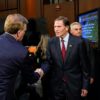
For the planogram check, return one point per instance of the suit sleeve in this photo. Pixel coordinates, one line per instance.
(85, 65)
(92, 62)
(27, 70)
(90, 53)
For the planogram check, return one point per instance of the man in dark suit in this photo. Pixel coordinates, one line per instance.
(13, 56)
(76, 30)
(68, 71)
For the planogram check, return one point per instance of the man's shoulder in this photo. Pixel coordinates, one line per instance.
(53, 39)
(75, 38)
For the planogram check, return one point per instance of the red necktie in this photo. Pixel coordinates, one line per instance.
(63, 49)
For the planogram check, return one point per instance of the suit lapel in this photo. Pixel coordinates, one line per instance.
(68, 52)
(69, 48)
(58, 50)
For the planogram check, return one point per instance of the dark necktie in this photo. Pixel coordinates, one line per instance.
(63, 50)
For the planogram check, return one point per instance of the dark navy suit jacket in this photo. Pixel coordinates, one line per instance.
(69, 77)
(12, 59)
(91, 57)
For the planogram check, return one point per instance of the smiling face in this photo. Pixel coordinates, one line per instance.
(60, 29)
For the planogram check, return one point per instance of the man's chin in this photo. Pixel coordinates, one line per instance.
(57, 35)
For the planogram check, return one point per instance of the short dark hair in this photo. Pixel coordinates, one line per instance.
(64, 19)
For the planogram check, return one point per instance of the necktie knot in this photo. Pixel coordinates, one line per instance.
(62, 39)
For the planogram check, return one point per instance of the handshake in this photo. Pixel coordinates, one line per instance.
(38, 74)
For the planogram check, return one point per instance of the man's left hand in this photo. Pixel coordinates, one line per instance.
(84, 92)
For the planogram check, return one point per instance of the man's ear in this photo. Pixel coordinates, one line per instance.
(18, 34)
(67, 28)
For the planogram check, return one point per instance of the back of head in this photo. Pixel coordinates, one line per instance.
(76, 29)
(14, 22)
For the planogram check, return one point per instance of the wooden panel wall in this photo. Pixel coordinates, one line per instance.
(68, 9)
(8, 6)
(50, 13)
(35, 8)
(30, 8)
(86, 5)
(12, 4)
(2, 4)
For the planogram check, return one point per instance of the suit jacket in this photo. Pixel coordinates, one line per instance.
(90, 54)
(13, 58)
(71, 75)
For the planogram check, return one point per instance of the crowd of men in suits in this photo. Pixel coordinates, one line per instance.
(68, 64)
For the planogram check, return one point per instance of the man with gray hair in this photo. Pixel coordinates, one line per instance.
(76, 30)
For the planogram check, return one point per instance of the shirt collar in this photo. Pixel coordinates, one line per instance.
(66, 37)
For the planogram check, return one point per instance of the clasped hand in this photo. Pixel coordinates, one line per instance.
(40, 72)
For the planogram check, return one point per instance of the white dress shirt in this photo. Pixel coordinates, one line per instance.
(66, 38)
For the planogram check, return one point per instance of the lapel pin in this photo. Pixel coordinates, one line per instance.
(70, 45)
